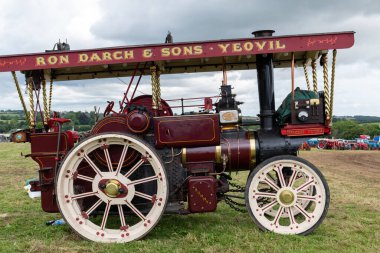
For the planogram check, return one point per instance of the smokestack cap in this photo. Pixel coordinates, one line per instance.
(263, 33)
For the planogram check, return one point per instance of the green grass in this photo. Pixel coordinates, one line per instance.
(351, 225)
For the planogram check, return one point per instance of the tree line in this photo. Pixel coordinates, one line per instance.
(347, 127)
(351, 129)
(13, 120)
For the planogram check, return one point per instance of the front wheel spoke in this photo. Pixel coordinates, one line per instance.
(135, 210)
(92, 165)
(135, 167)
(291, 216)
(303, 211)
(306, 197)
(304, 185)
(292, 178)
(84, 195)
(271, 184)
(108, 159)
(268, 206)
(280, 176)
(278, 215)
(85, 178)
(143, 180)
(265, 194)
(105, 216)
(122, 158)
(121, 215)
(87, 213)
(143, 195)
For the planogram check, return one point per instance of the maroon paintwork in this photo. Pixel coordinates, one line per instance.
(187, 131)
(202, 194)
(199, 155)
(113, 123)
(305, 130)
(138, 122)
(240, 154)
(177, 51)
(146, 101)
(200, 167)
(44, 152)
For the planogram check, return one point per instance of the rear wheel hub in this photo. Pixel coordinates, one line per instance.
(113, 188)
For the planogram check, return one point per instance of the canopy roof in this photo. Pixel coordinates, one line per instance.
(183, 57)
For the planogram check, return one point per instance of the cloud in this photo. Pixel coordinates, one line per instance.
(32, 26)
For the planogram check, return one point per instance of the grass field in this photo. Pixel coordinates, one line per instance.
(352, 224)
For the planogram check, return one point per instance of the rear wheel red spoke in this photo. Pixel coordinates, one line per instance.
(84, 195)
(85, 178)
(92, 164)
(121, 216)
(144, 196)
(136, 211)
(134, 168)
(108, 159)
(122, 158)
(87, 213)
(105, 216)
(143, 180)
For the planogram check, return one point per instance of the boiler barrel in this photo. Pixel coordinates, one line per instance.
(242, 150)
(236, 153)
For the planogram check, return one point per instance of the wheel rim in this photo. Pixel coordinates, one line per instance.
(130, 204)
(287, 196)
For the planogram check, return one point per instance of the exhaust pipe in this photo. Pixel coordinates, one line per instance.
(264, 63)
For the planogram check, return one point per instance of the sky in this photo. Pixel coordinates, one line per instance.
(36, 25)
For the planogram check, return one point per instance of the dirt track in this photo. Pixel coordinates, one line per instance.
(353, 176)
(363, 163)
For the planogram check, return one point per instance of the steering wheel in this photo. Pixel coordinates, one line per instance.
(108, 108)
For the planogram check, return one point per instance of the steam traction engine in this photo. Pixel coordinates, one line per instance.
(115, 182)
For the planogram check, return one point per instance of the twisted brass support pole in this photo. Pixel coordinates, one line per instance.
(332, 82)
(31, 103)
(326, 86)
(21, 98)
(158, 74)
(154, 87)
(306, 76)
(46, 113)
(50, 95)
(314, 68)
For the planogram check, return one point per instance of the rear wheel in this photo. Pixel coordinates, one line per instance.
(287, 195)
(116, 201)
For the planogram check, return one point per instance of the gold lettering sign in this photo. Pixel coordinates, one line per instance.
(147, 53)
(175, 51)
(249, 47)
(83, 58)
(106, 56)
(52, 60)
(181, 51)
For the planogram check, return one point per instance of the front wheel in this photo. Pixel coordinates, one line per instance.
(276, 193)
(112, 188)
